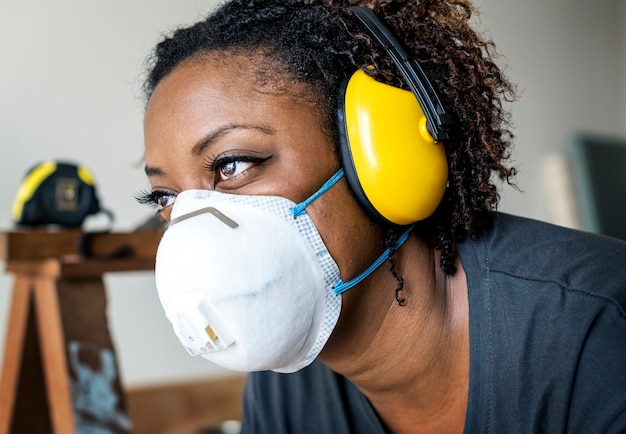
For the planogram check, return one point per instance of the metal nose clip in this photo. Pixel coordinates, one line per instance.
(210, 210)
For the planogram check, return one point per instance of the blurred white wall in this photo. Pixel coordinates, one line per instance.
(567, 57)
(70, 78)
(70, 88)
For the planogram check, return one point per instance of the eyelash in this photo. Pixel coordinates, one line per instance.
(152, 198)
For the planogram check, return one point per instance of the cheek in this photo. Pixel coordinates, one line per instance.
(352, 238)
(316, 166)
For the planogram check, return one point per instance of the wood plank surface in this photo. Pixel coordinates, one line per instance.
(185, 407)
(33, 244)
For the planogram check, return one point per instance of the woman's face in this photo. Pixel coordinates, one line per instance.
(208, 126)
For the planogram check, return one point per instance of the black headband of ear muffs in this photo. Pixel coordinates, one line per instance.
(439, 122)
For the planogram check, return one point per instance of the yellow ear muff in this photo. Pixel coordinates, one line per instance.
(394, 166)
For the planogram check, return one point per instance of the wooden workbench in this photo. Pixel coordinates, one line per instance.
(60, 372)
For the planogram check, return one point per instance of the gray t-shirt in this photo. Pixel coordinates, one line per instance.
(547, 344)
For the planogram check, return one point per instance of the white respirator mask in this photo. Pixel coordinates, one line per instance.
(247, 281)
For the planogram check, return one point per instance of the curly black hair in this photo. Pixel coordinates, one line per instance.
(321, 43)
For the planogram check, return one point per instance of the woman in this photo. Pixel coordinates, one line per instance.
(267, 148)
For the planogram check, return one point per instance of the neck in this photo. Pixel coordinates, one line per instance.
(417, 353)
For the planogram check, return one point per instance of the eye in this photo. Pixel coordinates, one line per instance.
(158, 199)
(232, 166)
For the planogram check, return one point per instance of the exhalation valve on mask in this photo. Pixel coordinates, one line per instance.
(197, 325)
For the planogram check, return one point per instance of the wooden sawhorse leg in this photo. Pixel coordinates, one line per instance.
(59, 373)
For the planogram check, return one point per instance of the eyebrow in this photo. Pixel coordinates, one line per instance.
(152, 171)
(210, 138)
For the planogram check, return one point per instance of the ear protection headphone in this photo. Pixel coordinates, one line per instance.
(390, 138)
(56, 193)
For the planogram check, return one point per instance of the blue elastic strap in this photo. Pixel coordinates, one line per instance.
(341, 286)
(299, 208)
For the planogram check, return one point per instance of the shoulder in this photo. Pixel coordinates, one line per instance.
(535, 251)
(548, 318)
